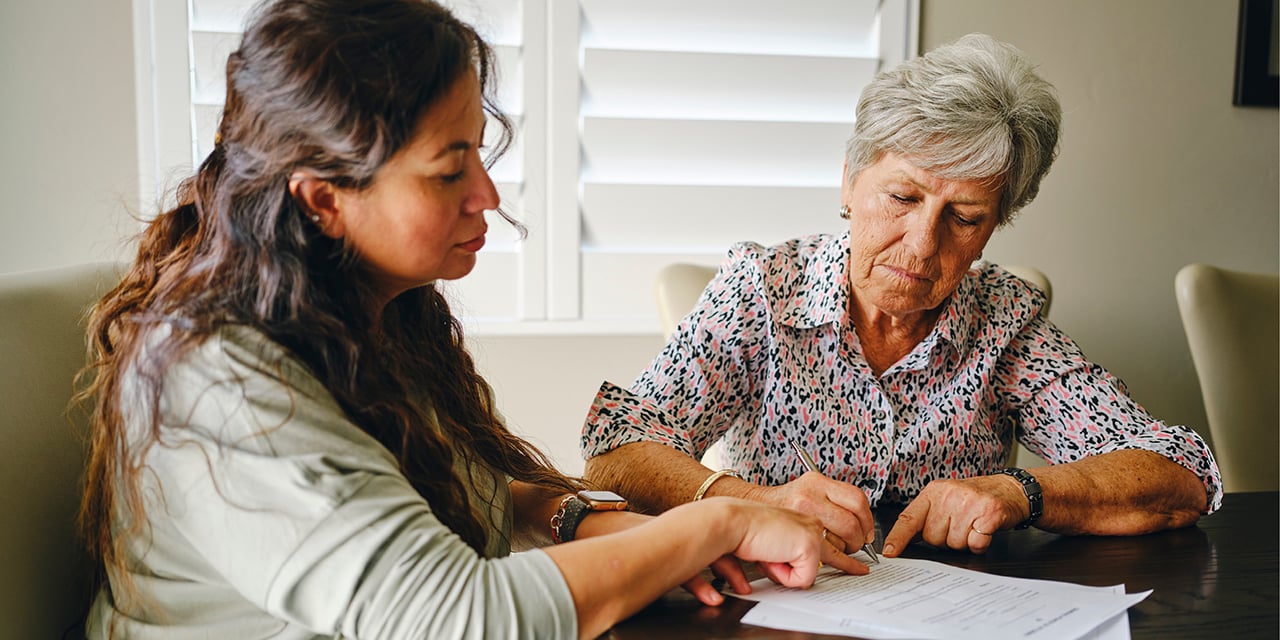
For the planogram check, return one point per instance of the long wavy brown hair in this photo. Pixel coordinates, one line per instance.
(335, 87)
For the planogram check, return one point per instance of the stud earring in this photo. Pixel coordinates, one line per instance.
(845, 211)
(315, 218)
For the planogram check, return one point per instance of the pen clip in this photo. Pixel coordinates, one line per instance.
(804, 456)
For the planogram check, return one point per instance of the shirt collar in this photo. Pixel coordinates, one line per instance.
(820, 293)
(953, 327)
(955, 324)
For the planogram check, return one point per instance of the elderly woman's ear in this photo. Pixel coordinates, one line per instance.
(845, 210)
(320, 200)
(845, 187)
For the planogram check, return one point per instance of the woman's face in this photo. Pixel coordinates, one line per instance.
(422, 218)
(914, 234)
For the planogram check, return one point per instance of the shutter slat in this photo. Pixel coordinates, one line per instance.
(795, 27)
(675, 152)
(659, 84)
(627, 217)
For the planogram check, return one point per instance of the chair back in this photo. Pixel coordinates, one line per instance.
(45, 589)
(676, 289)
(679, 285)
(1037, 279)
(1232, 321)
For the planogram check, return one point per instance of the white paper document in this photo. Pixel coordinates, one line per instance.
(906, 598)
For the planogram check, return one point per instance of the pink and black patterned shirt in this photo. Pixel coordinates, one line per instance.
(768, 354)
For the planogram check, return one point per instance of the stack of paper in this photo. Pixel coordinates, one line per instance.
(905, 598)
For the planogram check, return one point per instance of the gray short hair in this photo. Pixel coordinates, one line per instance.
(971, 110)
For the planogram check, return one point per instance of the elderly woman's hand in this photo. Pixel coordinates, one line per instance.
(959, 514)
(843, 508)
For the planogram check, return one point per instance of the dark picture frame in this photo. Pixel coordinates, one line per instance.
(1257, 84)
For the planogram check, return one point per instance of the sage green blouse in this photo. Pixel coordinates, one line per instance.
(270, 515)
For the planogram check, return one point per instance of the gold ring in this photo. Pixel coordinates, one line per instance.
(978, 531)
(824, 534)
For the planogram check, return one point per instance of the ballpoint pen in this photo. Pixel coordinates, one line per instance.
(812, 466)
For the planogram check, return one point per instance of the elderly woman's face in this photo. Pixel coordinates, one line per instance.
(914, 234)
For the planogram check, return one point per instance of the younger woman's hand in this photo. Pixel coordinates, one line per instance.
(725, 567)
(788, 546)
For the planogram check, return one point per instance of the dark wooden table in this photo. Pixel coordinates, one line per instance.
(1218, 579)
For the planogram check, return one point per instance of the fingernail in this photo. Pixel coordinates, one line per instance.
(888, 550)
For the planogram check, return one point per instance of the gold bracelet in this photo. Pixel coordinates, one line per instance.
(711, 479)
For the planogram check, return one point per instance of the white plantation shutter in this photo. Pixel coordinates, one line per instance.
(709, 122)
(215, 28)
(501, 286)
(649, 132)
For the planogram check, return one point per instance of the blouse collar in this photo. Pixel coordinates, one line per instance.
(820, 296)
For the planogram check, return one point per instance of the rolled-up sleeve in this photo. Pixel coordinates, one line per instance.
(701, 383)
(1071, 408)
(619, 417)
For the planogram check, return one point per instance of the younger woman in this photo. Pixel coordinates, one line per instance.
(289, 439)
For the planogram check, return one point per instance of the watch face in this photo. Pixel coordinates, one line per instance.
(603, 500)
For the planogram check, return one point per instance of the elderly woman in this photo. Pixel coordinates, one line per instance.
(906, 368)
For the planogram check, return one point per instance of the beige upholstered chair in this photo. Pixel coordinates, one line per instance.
(1232, 320)
(679, 285)
(42, 345)
(677, 289)
(1018, 455)
(1037, 279)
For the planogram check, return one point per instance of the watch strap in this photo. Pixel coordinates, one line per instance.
(1031, 487)
(564, 524)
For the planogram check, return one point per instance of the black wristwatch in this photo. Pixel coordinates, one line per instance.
(576, 506)
(1031, 487)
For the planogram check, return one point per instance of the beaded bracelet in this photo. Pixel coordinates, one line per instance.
(1031, 487)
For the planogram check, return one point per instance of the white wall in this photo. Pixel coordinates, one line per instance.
(545, 385)
(68, 155)
(1157, 170)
